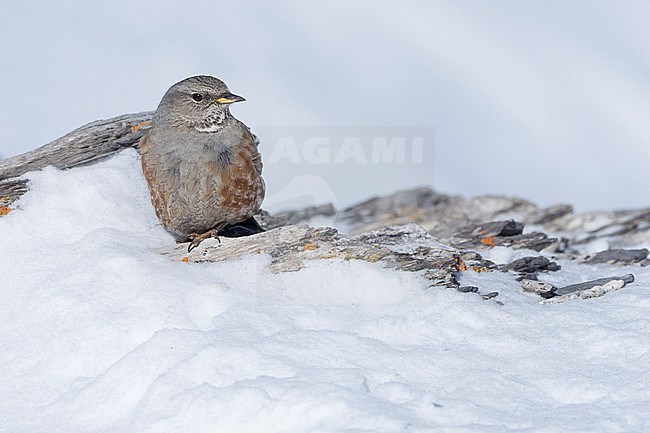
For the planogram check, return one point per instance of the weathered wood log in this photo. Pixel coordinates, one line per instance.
(406, 248)
(89, 143)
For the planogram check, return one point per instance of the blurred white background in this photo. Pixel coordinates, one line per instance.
(547, 100)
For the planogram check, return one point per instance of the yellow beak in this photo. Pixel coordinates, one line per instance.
(229, 98)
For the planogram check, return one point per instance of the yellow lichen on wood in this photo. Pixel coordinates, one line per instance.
(373, 258)
(141, 125)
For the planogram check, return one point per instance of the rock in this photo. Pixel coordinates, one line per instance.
(530, 266)
(538, 287)
(592, 292)
(406, 248)
(492, 229)
(468, 289)
(498, 233)
(576, 289)
(441, 215)
(620, 228)
(444, 216)
(618, 256)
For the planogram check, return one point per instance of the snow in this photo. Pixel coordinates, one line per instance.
(101, 333)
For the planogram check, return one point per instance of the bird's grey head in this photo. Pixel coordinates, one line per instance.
(199, 102)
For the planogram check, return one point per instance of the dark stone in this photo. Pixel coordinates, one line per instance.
(530, 265)
(618, 256)
(490, 295)
(468, 289)
(492, 229)
(628, 278)
(533, 241)
(512, 228)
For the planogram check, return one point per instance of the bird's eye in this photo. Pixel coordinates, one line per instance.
(197, 97)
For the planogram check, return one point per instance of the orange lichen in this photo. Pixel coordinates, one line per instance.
(141, 125)
(4, 210)
(185, 259)
(479, 269)
(488, 241)
(460, 264)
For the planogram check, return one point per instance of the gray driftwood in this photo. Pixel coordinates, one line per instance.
(81, 146)
(290, 248)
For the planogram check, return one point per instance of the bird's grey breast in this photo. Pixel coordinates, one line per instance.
(194, 163)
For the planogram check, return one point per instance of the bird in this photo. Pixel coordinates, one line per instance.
(202, 165)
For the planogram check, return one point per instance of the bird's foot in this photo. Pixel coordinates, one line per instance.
(197, 238)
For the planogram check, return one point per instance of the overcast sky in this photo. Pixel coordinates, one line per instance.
(547, 100)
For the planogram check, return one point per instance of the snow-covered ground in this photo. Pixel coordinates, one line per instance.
(100, 333)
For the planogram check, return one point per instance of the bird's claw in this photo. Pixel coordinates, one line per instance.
(197, 238)
(195, 243)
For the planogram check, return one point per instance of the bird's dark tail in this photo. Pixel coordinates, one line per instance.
(243, 228)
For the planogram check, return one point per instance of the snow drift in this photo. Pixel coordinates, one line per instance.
(101, 333)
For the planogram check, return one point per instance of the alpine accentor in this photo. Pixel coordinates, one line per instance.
(202, 165)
